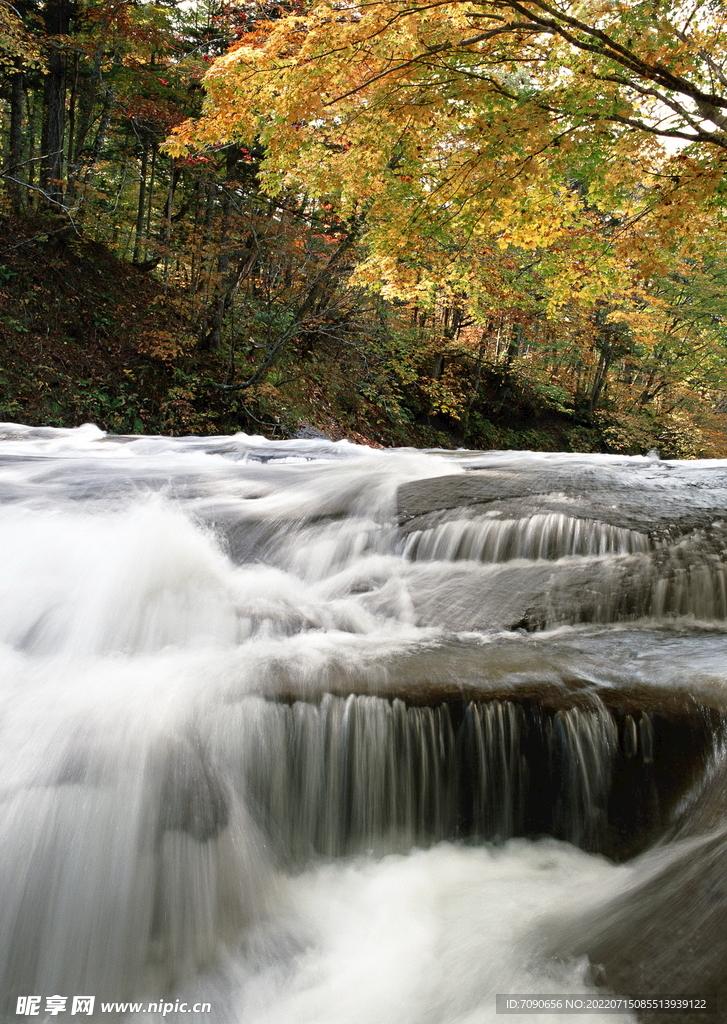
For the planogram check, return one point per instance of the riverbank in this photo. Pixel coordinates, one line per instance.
(88, 337)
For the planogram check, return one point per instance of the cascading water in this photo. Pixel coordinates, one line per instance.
(320, 735)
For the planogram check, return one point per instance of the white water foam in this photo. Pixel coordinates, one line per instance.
(428, 938)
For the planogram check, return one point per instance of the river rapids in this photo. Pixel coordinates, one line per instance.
(307, 733)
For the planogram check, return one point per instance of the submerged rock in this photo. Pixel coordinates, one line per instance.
(666, 935)
(193, 797)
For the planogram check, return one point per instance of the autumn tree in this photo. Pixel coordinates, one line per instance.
(461, 124)
(556, 159)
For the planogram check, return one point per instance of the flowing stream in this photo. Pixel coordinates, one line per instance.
(306, 733)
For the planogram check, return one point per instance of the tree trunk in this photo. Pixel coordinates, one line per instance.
(57, 14)
(72, 103)
(141, 206)
(87, 94)
(152, 181)
(31, 107)
(513, 349)
(86, 89)
(15, 147)
(165, 231)
(210, 338)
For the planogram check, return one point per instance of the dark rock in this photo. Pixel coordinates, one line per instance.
(307, 432)
(667, 934)
(655, 507)
(193, 798)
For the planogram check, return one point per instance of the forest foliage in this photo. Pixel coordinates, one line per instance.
(486, 223)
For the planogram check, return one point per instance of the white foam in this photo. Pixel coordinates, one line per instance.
(428, 938)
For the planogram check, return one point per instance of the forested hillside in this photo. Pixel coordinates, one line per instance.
(492, 224)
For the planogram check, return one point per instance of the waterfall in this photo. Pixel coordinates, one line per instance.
(303, 732)
(539, 536)
(361, 773)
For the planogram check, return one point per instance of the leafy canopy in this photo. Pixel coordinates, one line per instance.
(591, 133)
(18, 49)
